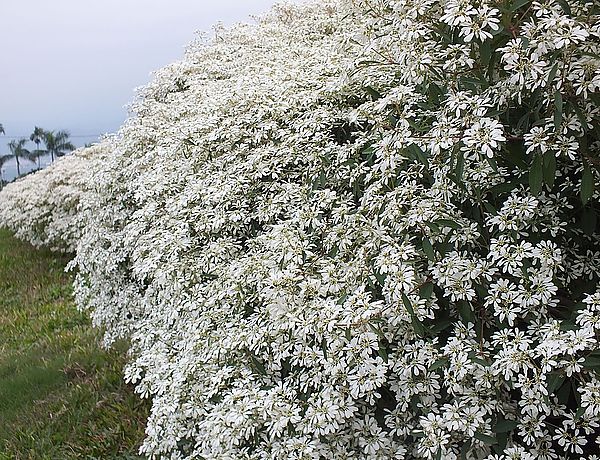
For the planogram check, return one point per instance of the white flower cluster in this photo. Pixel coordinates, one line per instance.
(361, 230)
(43, 208)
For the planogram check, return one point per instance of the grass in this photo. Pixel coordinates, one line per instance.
(61, 395)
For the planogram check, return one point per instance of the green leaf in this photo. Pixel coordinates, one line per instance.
(504, 426)
(428, 249)
(580, 116)
(563, 393)
(419, 154)
(558, 110)
(593, 362)
(565, 7)
(554, 382)
(464, 450)
(485, 52)
(417, 325)
(536, 175)
(408, 305)
(483, 362)
(490, 440)
(380, 277)
(460, 166)
(324, 348)
(448, 223)
(587, 184)
(515, 153)
(549, 169)
(518, 4)
(381, 351)
(589, 221)
(434, 228)
(426, 291)
(439, 363)
(373, 92)
(257, 364)
(552, 74)
(440, 325)
(465, 312)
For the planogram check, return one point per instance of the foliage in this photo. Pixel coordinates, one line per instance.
(57, 143)
(37, 136)
(42, 208)
(360, 230)
(18, 150)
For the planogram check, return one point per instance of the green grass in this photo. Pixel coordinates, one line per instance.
(61, 395)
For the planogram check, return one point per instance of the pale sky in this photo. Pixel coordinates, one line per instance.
(73, 64)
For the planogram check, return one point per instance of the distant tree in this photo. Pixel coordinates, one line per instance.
(18, 150)
(38, 137)
(3, 160)
(2, 129)
(57, 143)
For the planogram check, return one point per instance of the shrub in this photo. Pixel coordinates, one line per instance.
(42, 208)
(361, 230)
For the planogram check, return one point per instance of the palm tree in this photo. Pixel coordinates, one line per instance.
(37, 137)
(57, 143)
(17, 148)
(3, 160)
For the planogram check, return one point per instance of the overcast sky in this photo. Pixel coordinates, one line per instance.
(73, 64)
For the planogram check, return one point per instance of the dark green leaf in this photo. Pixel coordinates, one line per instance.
(515, 153)
(481, 361)
(428, 249)
(549, 169)
(408, 305)
(554, 382)
(565, 7)
(417, 325)
(552, 74)
(588, 221)
(380, 277)
(464, 450)
(485, 438)
(439, 363)
(504, 426)
(580, 116)
(593, 362)
(373, 92)
(465, 312)
(587, 184)
(558, 111)
(518, 4)
(426, 291)
(485, 52)
(460, 166)
(440, 325)
(434, 228)
(448, 223)
(258, 365)
(563, 393)
(383, 353)
(536, 175)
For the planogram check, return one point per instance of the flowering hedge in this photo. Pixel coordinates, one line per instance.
(361, 230)
(43, 208)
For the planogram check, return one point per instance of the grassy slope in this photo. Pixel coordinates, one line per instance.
(61, 395)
